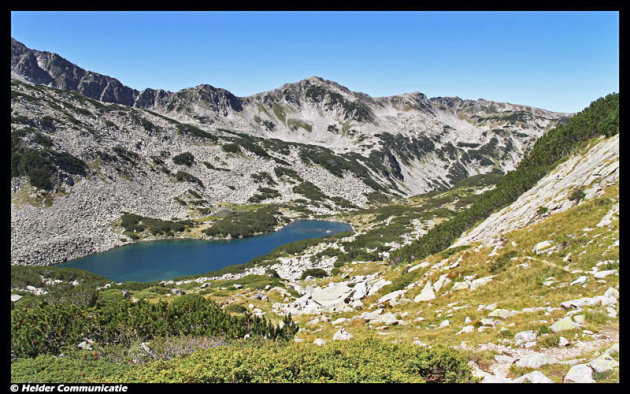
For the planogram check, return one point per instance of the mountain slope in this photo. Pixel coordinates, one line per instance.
(94, 149)
(424, 143)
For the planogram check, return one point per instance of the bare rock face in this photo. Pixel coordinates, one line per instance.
(592, 172)
(53, 70)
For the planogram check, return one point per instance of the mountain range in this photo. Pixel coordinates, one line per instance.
(343, 148)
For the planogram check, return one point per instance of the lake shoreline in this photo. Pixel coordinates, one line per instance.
(209, 239)
(114, 263)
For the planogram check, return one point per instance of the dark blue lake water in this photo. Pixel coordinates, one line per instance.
(162, 260)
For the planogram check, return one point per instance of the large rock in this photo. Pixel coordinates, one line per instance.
(475, 284)
(319, 342)
(612, 293)
(387, 298)
(563, 325)
(441, 282)
(466, 329)
(603, 274)
(533, 377)
(487, 322)
(535, 360)
(460, 286)
(604, 363)
(580, 373)
(386, 318)
(500, 313)
(578, 303)
(524, 337)
(316, 300)
(85, 345)
(578, 281)
(613, 349)
(542, 247)
(376, 286)
(368, 316)
(342, 335)
(360, 291)
(426, 294)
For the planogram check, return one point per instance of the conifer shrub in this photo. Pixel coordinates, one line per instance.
(185, 158)
(133, 223)
(52, 329)
(577, 195)
(314, 272)
(364, 361)
(187, 129)
(183, 176)
(245, 223)
(230, 148)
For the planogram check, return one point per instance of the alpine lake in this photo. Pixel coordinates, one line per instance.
(167, 259)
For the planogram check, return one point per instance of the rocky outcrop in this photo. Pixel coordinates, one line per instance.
(590, 172)
(52, 70)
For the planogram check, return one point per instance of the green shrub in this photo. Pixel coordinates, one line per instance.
(230, 148)
(246, 223)
(188, 129)
(264, 193)
(235, 308)
(73, 368)
(577, 195)
(541, 211)
(51, 329)
(263, 176)
(310, 191)
(314, 272)
(126, 155)
(183, 176)
(185, 158)
(133, 223)
(34, 164)
(365, 361)
(211, 167)
(285, 171)
(596, 317)
(548, 340)
(295, 124)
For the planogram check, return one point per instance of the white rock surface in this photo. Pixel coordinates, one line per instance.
(536, 360)
(426, 294)
(580, 373)
(533, 377)
(342, 335)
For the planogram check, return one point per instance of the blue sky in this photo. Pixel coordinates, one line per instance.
(559, 61)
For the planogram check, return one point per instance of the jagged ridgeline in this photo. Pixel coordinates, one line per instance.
(601, 118)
